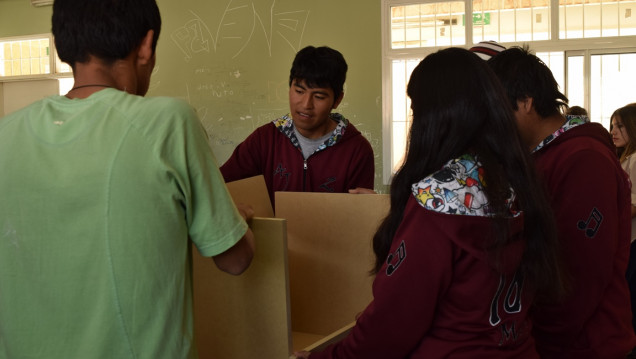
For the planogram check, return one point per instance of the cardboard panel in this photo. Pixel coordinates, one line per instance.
(252, 191)
(330, 256)
(332, 338)
(246, 316)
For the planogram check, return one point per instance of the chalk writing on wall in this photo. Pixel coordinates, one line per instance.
(239, 23)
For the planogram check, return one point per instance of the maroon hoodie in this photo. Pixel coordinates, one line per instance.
(343, 162)
(438, 295)
(590, 196)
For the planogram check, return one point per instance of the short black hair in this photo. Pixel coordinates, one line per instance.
(107, 29)
(524, 75)
(576, 111)
(320, 67)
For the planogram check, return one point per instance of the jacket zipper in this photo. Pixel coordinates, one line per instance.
(304, 175)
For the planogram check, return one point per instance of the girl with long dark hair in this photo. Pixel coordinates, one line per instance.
(469, 243)
(623, 131)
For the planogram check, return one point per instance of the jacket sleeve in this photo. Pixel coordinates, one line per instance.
(362, 170)
(631, 171)
(244, 161)
(406, 291)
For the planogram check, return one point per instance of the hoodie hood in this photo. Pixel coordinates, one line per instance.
(457, 188)
(344, 130)
(578, 126)
(455, 197)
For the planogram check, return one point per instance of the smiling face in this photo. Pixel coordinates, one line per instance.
(310, 108)
(619, 133)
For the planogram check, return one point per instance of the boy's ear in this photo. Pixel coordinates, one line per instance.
(336, 103)
(526, 104)
(145, 53)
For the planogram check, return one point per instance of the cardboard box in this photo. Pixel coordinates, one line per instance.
(309, 279)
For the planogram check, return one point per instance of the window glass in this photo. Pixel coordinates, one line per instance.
(29, 57)
(541, 20)
(571, 24)
(401, 109)
(24, 57)
(398, 27)
(576, 81)
(555, 60)
(595, 18)
(609, 15)
(626, 18)
(522, 23)
(413, 23)
(428, 25)
(600, 81)
(612, 77)
(511, 21)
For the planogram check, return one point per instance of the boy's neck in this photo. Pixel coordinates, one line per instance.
(94, 75)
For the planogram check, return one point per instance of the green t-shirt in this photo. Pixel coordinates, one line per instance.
(98, 198)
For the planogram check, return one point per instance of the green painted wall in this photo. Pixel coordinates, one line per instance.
(18, 17)
(230, 59)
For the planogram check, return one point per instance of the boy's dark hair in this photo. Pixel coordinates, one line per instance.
(107, 29)
(524, 75)
(576, 111)
(320, 67)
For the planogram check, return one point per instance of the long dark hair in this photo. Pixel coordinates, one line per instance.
(459, 107)
(627, 116)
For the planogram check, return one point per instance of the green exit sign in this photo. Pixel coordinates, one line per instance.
(479, 18)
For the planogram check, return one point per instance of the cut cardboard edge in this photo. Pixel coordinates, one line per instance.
(252, 191)
(332, 338)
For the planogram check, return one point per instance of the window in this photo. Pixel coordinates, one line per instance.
(611, 83)
(26, 57)
(576, 79)
(29, 57)
(555, 60)
(434, 24)
(596, 75)
(401, 106)
(511, 20)
(596, 18)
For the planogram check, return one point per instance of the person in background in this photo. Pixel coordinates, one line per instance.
(576, 111)
(469, 243)
(589, 193)
(623, 131)
(100, 192)
(487, 49)
(310, 149)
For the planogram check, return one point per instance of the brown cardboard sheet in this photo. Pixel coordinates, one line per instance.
(330, 256)
(308, 280)
(252, 191)
(246, 316)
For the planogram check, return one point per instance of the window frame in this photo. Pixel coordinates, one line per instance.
(54, 64)
(588, 46)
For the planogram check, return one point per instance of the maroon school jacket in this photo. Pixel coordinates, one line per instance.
(438, 294)
(590, 196)
(343, 162)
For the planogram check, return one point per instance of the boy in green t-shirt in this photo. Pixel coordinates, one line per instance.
(101, 190)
